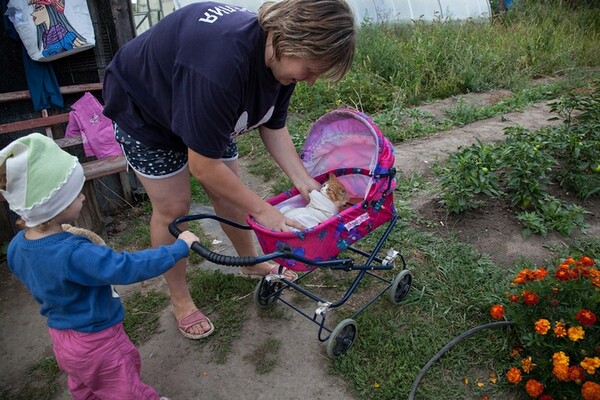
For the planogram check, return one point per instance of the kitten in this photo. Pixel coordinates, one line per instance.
(323, 204)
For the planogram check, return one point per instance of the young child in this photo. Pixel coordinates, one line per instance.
(70, 276)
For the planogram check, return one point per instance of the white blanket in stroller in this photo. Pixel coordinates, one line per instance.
(318, 209)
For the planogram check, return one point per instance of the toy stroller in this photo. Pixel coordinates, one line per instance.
(348, 144)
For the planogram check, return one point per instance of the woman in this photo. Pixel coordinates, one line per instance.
(182, 91)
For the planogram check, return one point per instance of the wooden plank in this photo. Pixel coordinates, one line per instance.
(106, 166)
(25, 95)
(64, 143)
(34, 123)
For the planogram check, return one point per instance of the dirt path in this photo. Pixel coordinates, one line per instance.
(183, 371)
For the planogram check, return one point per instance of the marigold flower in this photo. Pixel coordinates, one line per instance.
(560, 358)
(586, 261)
(534, 388)
(542, 326)
(514, 298)
(497, 311)
(576, 333)
(590, 391)
(590, 364)
(546, 397)
(576, 374)
(540, 274)
(527, 364)
(586, 317)
(523, 276)
(515, 351)
(561, 372)
(530, 298)
(562, 275)
(559, 329)
(514, 375)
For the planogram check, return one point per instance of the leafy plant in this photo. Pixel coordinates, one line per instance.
(469, 172)
(553, 311)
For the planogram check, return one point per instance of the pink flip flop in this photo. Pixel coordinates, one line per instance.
(272, 271)
(194, 319)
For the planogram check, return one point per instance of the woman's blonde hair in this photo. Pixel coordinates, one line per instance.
(321, 31)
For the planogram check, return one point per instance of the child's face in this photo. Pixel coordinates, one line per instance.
(71, 213)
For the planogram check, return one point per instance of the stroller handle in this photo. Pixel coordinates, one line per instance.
(233, 261)
(210, 255)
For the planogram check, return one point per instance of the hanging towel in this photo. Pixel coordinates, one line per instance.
(96, 130)
(42, 83)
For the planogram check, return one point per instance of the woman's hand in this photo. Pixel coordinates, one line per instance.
(271, 218)
(308, 186)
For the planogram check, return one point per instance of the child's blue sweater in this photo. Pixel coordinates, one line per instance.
(71, 277)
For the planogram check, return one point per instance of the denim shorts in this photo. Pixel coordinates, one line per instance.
(155, 163)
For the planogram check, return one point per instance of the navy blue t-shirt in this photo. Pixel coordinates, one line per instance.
(195, 80)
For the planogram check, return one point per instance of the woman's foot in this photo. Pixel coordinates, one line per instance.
(259, 271)
(193, 324)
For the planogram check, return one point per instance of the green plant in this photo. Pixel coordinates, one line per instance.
(553, 311)
(552, 214)
(468, 173)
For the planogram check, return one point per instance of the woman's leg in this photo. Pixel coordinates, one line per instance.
(170, 198)
(242, 239)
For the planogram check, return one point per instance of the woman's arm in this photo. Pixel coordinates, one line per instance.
(279, 144)
(218, 178)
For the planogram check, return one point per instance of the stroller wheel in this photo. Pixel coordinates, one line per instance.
(264, 293)
(401, 286)
(342, 338)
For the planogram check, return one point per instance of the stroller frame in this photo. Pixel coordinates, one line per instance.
(269, 289)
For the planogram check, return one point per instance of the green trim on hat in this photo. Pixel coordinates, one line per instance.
(42, 179)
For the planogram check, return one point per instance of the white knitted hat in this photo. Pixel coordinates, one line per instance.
(41, 179)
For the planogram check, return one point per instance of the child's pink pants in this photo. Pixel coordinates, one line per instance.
(100, 365)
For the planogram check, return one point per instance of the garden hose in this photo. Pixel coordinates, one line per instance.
(448, 346)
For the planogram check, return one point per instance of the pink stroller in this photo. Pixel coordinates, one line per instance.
(347, 143)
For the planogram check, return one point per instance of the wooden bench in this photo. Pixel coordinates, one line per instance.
(91, 216)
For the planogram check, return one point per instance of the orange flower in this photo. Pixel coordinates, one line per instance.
(527, 364)
(576, 333)
(530, 298)
(546, 397)
(559, 329)
(515, 352)
(542, 326)
(561, 372)
(586, 317)
(514, 298)
(562, 275)
(560, 358)
(576, 374)
(586, 261)
(523, 276)
(514, 375)
(534, 388)
(590, 364)
(540, 274)
(497, 311)
(590, 391)
(595, 276)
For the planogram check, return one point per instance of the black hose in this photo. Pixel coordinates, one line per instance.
(448, 346)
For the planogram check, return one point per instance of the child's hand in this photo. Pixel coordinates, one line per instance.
(188, 237)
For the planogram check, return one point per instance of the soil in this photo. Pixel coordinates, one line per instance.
(183, 371)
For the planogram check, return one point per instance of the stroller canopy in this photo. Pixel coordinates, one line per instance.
(348, 139)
